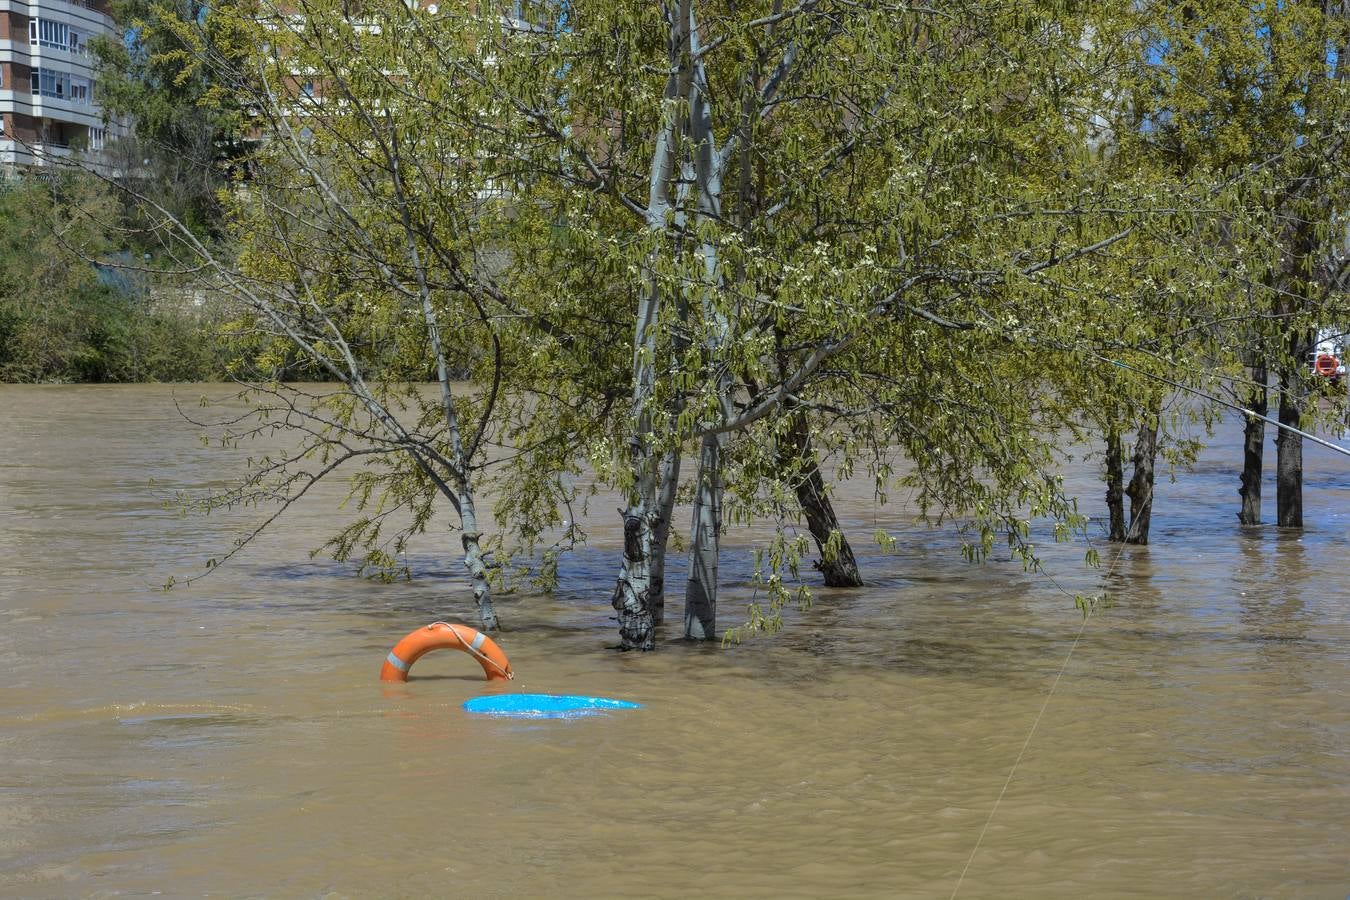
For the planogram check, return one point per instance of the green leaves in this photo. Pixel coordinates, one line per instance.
(919, 232)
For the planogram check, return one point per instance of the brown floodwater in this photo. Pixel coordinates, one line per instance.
(231, 737)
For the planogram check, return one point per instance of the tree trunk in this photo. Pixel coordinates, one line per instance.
(632, 597)
(461, 456)
(1253, 448)
(1115, 485)
(632, 593)
(473, 561)
(633, 589)
(700, 594)
(1289, 455)
(836, 562)
(665, 507)
(1140, 490)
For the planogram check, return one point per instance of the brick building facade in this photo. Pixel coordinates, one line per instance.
(48, 96)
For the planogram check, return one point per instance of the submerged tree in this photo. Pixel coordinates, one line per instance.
(66, 313)
(871, 245)
(1235, 88)
(776, 238)
(351, 246)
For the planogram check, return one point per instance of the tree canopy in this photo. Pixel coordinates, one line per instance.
(774, 239)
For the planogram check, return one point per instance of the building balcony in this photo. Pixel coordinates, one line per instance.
(64, 60)
(58, 109)
(15, 153)
(80, 13)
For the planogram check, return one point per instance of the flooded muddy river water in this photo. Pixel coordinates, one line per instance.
(231, 738)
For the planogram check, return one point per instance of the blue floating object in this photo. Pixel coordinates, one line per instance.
(544, 706)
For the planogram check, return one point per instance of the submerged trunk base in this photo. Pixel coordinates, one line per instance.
(1140, 490)
(632, 598)
(1253, 450)
(837, 562)
(1115, 486)
(700, 594)
(473, 562)
(1289, 458)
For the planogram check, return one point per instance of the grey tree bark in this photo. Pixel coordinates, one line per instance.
(632, 594)
(468, 516)
(1140, 489)
(665, 508)
(1115, 485)
(700, 595)
(460, 456)
(473, 561)
(632, 597)
(1253, 448)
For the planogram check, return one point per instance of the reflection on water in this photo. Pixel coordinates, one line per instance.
(232, 737)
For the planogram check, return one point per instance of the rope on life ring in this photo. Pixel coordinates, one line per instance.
(1326, 364)
(444, 636)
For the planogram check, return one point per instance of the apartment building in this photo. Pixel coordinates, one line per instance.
(48, 98)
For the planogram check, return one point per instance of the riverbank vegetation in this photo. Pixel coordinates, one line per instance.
(72, 307)
(718, 254)
(88, 290)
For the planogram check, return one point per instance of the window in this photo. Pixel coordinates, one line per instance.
(57, 35)
(63, 86)
(96, 138)
(46, 33)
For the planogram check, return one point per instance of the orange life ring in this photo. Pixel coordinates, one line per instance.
(1326, 364)
(443, 636)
